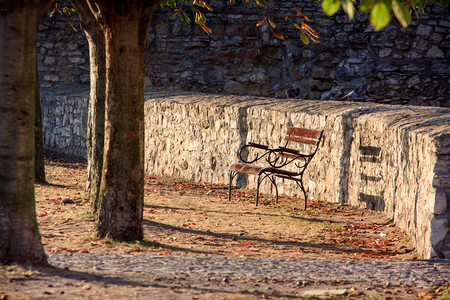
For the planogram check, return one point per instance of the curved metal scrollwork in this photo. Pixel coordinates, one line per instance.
(244, 150)
(277, 158)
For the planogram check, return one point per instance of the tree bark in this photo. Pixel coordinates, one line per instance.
(39, 163)
(96, 118)
(121, 192)
(96, 112)
(19, 235)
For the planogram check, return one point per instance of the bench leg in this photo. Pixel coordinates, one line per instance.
(300, 184)
(232, 175)
(257, 188)
(261, 179)
(272, 179)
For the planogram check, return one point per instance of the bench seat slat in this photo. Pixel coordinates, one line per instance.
(247, 169)
(280, 171)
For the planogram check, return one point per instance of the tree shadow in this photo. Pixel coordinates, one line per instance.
(55, 185)
(53, 277)
(315, 220)
(153, 226)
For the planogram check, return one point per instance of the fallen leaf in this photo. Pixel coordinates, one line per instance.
(246, 243)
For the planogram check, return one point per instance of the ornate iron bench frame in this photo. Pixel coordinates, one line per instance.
(278, 159)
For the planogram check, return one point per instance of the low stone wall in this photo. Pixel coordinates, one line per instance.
(399, 164)
(389, 158)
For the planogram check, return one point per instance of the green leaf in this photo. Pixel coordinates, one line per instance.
(330, 7)
(367, 5)
(401, 12)
(261, 2)
(304, 38)
(170, 3)
(186, 18)
(380, 15)
(347, 6)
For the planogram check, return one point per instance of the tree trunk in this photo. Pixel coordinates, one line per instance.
(39, 163)
(122, 189)
(125, 26)
(96, 113)
(96, 118)
(19, 235)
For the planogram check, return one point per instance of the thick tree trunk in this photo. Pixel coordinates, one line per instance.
(122, 189)
(96, 114)
(19, 235)
(125, 26)
(39, 163)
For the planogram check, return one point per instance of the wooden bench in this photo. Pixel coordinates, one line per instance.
(288, 161)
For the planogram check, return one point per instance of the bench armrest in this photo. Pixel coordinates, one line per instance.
(288, 150)
(243, 152)
(260, 146)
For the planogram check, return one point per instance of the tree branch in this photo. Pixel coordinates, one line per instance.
(44, 7)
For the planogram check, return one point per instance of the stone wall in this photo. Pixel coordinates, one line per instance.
(394, 159)
(396, 65)
(63, 55)
(64, 124)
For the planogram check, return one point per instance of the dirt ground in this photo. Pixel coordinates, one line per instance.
(187, 218)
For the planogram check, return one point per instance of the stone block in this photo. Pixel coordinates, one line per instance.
(435, 52)
(423, 30)
(235, 88)
(77, 60)
(440, 204)
(51, 78)
(439, 230)
(49, 60)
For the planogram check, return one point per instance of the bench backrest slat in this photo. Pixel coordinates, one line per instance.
(300, 140)
(302, 135)
(302, 132)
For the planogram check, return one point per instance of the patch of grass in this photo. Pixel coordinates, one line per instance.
(90, 238)
(296, 222)
(244, 187)
(150, 244)
(333, 226)
(300, 223)
(79, 197)
(87, 215)
(407, 238)
(443, 293)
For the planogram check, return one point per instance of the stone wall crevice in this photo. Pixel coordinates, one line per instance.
(241, 178)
